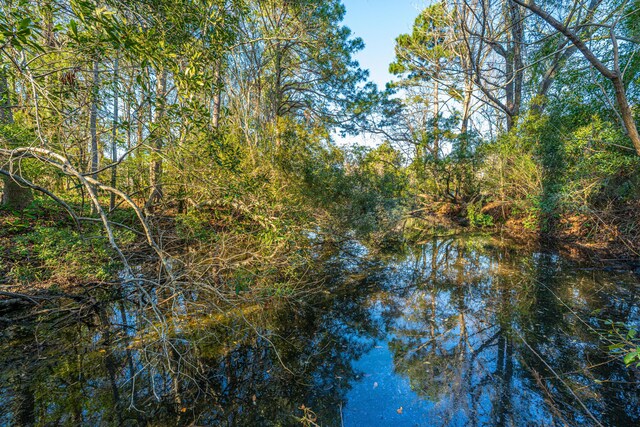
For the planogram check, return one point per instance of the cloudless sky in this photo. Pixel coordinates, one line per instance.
(378, 23)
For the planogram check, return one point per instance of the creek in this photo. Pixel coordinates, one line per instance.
(467, 330)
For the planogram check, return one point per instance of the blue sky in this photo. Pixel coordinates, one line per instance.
(378, 23)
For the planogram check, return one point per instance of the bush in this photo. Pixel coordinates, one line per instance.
(477, 218)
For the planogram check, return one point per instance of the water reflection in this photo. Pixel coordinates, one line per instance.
(457, 331)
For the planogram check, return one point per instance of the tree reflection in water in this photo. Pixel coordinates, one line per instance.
(458, 331)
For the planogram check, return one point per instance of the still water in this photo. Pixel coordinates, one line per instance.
(451, 332)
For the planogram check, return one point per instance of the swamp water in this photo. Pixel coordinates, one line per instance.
(455, 331)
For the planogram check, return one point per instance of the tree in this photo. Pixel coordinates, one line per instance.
(613, 73)
(295, 69)
(424, 57)
(437, 100)
(15, 194)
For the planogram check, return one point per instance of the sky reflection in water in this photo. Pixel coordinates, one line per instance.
(457, 331)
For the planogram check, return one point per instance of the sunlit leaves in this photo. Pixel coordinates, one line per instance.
(18, 27)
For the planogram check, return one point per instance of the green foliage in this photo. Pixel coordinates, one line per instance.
(19, 26)
(626, 342)
(530, 209)
(364, 189)
(477, 218)
(193, 225)
(60, 255)
(40, 246)
(422, 53)
(511, 174)
(239, 140)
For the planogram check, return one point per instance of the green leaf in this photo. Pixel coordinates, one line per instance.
(630, 357)
(24, 23)
(73, 26)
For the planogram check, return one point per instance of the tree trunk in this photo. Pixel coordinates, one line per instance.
(114, 135)
(513, 64)
(517, 35)
(6, 114)
(14, 195)
(155, 171)
(626, 113)
(436, 118)
(217, 97)
(615, 75)
(466, 106)
(93, 125)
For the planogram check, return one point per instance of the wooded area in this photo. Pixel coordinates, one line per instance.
(504, 111)
(174, 148)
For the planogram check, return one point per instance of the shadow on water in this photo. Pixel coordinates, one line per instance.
(456, 331)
